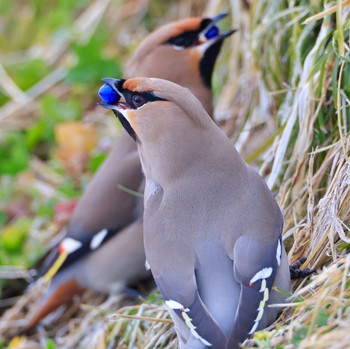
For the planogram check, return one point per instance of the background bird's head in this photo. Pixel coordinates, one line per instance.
(184, 52)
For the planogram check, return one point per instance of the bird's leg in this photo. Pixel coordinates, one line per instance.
(296, 272)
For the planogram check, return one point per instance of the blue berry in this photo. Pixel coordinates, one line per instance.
(108, 95)
(213, 31)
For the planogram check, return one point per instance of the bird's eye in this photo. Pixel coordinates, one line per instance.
(184, 40)
(179, 41)
(138, 101)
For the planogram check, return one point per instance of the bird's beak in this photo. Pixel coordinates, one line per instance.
(211, 34)
(120, 108)
(121, 104)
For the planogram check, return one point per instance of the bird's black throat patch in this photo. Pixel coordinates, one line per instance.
(126, 125)
(207, 62)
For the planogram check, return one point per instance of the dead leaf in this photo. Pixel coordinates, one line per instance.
(75, 141)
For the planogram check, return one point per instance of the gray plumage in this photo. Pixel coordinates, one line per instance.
(212, 228)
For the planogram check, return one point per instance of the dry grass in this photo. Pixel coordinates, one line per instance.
(282, 93)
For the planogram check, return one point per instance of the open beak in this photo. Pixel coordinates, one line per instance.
(211, 33)
(112, 98)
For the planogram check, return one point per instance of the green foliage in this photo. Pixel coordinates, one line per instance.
(299, 335)
(53, 108)
(91, 63)
(322, 318)
(36, 29)
(96, 161)
(26, 74)
(14, 154)
(44, 25)
(5, 6)
(52, 112)
(14, 236)
(50, 344)
(155, 298)
(46, 209)
(16, 247)
(344, 246)
(69, 189)
(2, 219)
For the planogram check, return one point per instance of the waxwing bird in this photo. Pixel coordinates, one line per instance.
(103, 245)
(212, 228)
(190, 48)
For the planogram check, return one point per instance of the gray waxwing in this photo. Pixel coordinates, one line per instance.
(212, 228)
(103, 245)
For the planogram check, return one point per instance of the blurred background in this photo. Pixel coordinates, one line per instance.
(282, 94)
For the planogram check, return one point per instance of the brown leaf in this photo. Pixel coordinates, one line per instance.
(75, 141)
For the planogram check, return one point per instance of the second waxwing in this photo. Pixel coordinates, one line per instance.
(106, 227)
(212, 228)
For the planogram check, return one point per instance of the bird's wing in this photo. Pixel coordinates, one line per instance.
(255, 266)
(185, 301)
(69, 250)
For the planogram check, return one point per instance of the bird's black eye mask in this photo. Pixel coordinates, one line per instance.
(133, 100)
(136, 100)
(189, 38)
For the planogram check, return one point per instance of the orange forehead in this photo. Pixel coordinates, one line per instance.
(137, 84)
(188, 24)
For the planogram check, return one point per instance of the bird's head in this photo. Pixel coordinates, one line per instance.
(170, 125)
(184, 51)
(149, 107)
